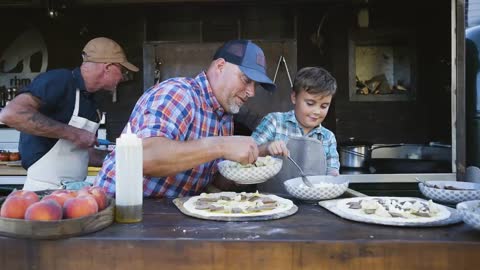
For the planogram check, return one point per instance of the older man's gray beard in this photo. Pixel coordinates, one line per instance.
(234, 108)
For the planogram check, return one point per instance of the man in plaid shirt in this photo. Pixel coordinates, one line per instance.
(186, 123)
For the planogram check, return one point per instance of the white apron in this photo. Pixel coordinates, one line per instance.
(310, 155)
(65, 161)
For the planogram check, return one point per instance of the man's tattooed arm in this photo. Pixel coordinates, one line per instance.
(22, 114)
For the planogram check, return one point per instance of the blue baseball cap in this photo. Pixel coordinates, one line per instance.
(249, 58)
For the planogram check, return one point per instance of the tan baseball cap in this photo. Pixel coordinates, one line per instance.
(105, 50)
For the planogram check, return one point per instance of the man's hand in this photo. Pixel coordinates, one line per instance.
(241, 149)
(83, 138)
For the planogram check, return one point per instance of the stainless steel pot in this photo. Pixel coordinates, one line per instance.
(358, 155)
(355, 156)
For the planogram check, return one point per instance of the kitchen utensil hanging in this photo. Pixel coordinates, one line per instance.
(157, 74)
(284, 61)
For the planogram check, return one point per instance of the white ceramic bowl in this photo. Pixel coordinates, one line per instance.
(470, 212)
(325, 187)
(251, 175)
(450, 195)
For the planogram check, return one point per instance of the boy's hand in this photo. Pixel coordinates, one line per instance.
(278, 148)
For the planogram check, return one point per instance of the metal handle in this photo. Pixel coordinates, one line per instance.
(295, 163)
(354, 153)
(437, 144)
(387, 146)
(304, 177)
(276, 70)
(280, 60)
(288, 72)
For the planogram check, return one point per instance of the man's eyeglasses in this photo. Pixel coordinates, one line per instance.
(124, 71)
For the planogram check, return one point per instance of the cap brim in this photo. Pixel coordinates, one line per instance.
(129, 66)
(259, 77)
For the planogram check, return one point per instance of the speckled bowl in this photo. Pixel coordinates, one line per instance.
(448, 195)
(470, 212)
(299, 190)
(251, 175)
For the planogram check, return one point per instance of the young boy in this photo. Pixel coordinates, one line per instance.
(313, 90)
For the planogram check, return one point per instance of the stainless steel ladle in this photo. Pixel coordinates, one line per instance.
(304, 177)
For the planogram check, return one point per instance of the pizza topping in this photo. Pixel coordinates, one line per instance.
(355, 205)
(394, 214)
(215, 208)
(395, 208)
(382, 212)
(421, 214)
(260, 162)
(206, 199)
(260, 208)
(319, 185)
(237, 210)
(235, 203)
(267, 200)
(254, 197)
(202, 206)
(226, 198)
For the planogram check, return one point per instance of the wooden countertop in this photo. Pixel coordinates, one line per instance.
(313, 238)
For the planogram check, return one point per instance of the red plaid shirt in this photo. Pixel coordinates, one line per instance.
(180, 109)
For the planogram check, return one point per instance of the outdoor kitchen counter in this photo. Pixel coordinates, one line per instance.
(313, 238)
(12, 170)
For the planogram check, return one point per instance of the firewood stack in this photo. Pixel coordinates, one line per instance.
(378, 85)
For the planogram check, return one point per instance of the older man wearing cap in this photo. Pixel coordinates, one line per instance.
(58, 118)
(186, 123)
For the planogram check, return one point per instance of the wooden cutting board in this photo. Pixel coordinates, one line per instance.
(331, 205)
(179, 203)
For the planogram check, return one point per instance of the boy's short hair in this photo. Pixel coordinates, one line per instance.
(315, 80)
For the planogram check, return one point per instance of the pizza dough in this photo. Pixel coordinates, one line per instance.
(231, 204)
(396, 209)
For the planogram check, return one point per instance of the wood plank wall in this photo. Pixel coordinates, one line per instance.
(425, 119)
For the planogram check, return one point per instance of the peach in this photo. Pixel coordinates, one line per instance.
(15, 207)
(71, 193)
(59, 198)
(83, 205)
(29, 195)
(44, 210)
(98, 193)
